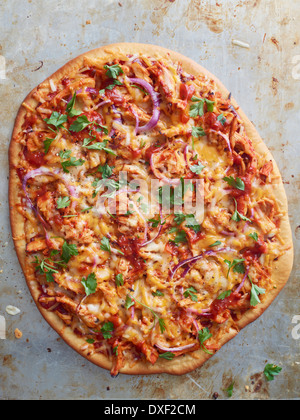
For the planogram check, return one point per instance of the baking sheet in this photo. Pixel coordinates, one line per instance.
(38, 37)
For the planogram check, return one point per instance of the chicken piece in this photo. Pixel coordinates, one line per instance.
(149, 351)
(140, 71)
(165, 80)
(38, 244)
(265, 170)
(87, 317)
(264, 213)
(244, 155)
(46, 205)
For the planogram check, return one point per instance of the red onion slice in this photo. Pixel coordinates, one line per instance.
(174, 349)
(116, 112)
(202, 312)
(118, 119)
(158, 232)
(32, 174)
(186, 149)
(243, 281)
(142, 217)
(227, 233)
(36, 172)
(158, 175)
(137, 121)
(92, 90)
(154, 96)
(192, 260)
(224, 137)
(102, 103)
(196, 325)
(234, 111)
(45, 171)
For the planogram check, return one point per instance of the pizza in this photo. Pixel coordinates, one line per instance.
(149, 217)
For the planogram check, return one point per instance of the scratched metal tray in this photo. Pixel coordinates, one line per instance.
(38, 37)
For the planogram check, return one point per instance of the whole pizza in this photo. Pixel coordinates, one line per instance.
(148, 216)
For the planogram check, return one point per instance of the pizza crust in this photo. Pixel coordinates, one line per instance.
(282, 269)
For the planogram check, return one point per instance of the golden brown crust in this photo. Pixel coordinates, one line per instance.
(283, 266)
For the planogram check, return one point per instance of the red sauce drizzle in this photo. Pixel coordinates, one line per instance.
(130, 248)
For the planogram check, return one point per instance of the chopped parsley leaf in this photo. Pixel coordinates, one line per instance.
(235, 183)
(113, 71)
(238, 216)
(107, 330)
(68, 250)
(255, 291)
(204, 335)
(237, 266)
(89, 284)
(271, 370)
(190, 293)
(56, 119)
(80, 123)
(167, 355)
(62, 202)
(70, 107)
(105, 245)
(119, 279)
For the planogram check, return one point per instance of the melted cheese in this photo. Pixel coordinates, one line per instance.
(139, 288)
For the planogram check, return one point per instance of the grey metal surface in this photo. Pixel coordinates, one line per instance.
(38, 37)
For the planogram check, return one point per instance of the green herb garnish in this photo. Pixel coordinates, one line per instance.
(255, 291)
(225, 294)
(254, 236)
(119, 280)
(167, 355)
(63, 202)
(197, 109)
(237, 266)
(235, 183)
(70, 107)
(271, 370)
(222, 119)
(157, 293)
(56, 119)
(197, 169)
(100, 146)
(107, 330)
(105, 245)
(46, 268)
(190, 293)
(114, 83)
(89, 284)
(68, 250)
(198, 132)
(130, 301)
(203, 336)
(215, 244)
(113, 71)
(238, 216)
(47, 144)
(80, 123)
(190, 220)
(229, 390)
(72, 161)
(180, 236)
